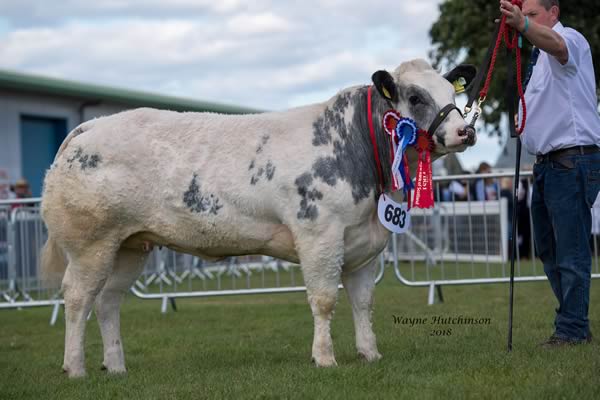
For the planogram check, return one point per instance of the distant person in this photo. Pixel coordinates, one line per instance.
(6, 192)
(486, 188)
(456, 191)
(22, 191)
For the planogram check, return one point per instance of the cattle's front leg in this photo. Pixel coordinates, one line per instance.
(321, 261)
(359, 285)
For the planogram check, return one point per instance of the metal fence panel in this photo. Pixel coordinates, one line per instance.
(466, 242)
(457, 242)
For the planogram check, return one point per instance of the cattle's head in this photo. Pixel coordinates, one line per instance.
(419, 92)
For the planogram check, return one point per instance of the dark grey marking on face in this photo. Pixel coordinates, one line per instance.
(331, 121)
(270, 170)
(252, 165)
(199, 203)
(441, 139)
(425, 111)
(263, 140)
(308, 197)
(85, 160)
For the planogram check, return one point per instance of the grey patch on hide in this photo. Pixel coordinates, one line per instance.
(325, 168)
(199, 203)
(308, 197)
(352, 158)
(256, 177)
(263, 141)
(270, 170)
(78, 131)
(331, 121)
(85, 160)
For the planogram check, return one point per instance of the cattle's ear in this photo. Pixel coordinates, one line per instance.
(461, 77)
(385, 85)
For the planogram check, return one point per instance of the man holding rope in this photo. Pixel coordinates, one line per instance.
(563, 131)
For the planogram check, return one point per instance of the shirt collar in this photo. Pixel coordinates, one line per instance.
(558, 27)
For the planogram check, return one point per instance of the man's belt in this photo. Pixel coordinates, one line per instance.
(558, 155)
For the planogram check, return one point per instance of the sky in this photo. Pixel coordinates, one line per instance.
(263, 54)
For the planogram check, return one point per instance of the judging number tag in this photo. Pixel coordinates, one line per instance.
(395, 217)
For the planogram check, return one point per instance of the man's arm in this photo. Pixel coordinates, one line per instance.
(539, 35)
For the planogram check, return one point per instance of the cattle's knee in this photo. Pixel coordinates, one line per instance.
(323, 304)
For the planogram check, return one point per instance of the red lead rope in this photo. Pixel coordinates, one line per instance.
(510, 45)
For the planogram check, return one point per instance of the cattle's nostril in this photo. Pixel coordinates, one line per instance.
(469, 132)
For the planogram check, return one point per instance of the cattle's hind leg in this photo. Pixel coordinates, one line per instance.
(128, 266)
(85, 275)
(359, 286)
(321, 260)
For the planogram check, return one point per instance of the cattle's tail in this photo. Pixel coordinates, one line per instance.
(53, 263)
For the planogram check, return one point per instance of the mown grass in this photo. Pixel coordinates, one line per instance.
(259, 347)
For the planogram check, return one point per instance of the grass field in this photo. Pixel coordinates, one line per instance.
(259, 347)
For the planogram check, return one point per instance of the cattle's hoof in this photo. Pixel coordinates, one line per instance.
(73, 373)
(325, 362)
(370, 356)
(114, 370)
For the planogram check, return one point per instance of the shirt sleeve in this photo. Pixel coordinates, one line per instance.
(575, 45)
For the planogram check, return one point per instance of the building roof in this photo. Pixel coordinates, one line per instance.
(65, 88)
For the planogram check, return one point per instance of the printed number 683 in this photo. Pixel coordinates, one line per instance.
(396, 216)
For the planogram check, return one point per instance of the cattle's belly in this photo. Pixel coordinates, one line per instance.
(273, 240)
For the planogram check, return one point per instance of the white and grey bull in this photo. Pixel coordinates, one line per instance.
(300, 185)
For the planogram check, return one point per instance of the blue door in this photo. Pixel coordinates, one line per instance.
(40, 139)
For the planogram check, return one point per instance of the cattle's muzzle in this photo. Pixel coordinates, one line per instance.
(468, 134)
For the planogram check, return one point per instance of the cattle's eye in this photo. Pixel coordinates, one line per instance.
(414, 100)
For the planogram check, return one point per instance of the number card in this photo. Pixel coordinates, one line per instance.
(395, 217)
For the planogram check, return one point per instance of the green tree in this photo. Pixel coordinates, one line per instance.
(463, 31)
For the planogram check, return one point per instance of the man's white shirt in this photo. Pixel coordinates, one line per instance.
(561, 101)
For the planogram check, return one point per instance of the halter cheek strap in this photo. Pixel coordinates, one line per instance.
(444, 112)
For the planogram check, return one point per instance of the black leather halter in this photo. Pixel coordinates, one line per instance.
(444, 112)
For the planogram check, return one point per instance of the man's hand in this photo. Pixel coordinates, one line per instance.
(514, 15)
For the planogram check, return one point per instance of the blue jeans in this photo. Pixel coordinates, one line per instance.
(563, 194)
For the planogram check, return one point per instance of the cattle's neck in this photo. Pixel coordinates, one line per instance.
(344, 124)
